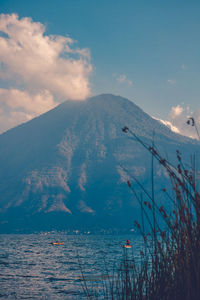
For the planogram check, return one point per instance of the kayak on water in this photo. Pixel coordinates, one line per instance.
(127, 246)
(57, 243)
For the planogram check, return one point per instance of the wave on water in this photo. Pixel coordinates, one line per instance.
(32, 268)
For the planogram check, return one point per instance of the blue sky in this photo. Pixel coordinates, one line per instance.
(147, 51)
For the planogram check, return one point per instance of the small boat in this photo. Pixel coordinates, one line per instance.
(127, 246)
(57, 243)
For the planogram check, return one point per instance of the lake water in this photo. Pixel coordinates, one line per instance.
(32, 268)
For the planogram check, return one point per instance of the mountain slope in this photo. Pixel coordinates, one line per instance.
(62, 169)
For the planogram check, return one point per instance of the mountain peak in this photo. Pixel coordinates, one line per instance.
(64, 166)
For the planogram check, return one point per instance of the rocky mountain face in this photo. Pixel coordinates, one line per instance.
(64, 169)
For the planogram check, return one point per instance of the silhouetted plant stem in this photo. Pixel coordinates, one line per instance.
(169, 268)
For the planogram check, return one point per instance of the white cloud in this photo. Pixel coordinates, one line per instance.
(19, 106)
(176, 111)
(16, 100)
(123, 79)
(178, 117)
(12, 119)
(44, 70)
(171, 81)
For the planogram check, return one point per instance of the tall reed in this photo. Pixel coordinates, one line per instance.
(169, 267)
(173, 252)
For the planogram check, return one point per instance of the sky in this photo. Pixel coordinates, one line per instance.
(146, 51)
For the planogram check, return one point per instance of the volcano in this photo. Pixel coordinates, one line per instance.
(65, 168)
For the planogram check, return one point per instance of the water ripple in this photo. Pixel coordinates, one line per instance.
(32, 268)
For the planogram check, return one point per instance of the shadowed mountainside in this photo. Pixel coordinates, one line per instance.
(63, 168)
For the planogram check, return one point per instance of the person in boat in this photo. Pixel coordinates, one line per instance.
(127, 242)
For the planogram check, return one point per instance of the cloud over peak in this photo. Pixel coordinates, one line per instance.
(176, 111)
(178, 118)
(45, 69)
